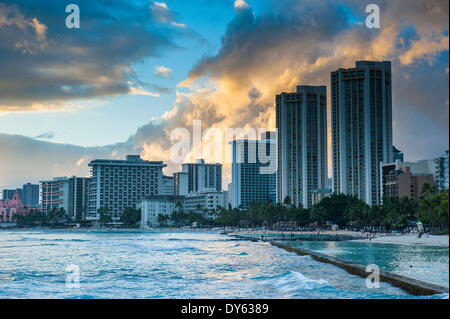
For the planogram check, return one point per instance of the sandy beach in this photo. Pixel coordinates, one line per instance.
(425, 240)
(408, 239)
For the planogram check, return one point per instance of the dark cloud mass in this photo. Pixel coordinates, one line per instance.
(41, 70)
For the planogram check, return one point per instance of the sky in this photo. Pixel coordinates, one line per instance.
(136, 70)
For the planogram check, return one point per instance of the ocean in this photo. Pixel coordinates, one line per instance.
(122, 264)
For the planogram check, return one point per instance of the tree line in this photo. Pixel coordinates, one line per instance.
(347, 211)
(344, 210)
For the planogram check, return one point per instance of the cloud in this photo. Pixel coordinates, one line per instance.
(162, 71)
(241, 4)
(163, 14)
(46, 136)
(140, 91)
(45, 65)
(31, 160)
(301, 42)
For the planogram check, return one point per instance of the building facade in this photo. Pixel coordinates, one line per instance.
(117, 184)
(181, 183)
(153, 206)
(397, 155)
(203, 176)
(441, 172)
(252, 181)
(206, 201)
(361, 112)
(78, 198)
(301, 119)
(9, 208)
(55, 194)
(167, 185)
(399, 181)
(8, 194)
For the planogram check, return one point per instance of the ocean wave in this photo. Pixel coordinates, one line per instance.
(293, 282)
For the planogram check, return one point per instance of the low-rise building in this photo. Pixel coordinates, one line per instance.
(153, 206)
(401, 181)
(204, 202)
(11, 207)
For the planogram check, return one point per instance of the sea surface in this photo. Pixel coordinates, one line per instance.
(47, 263)
(426, 263)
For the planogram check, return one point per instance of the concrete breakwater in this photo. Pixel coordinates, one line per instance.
(302, 237)
(412, 286)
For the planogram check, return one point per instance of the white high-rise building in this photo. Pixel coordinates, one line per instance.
(361, 112)
(302, 144)
(118, 184)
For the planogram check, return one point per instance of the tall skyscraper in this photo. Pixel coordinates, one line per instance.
(202, 176)
(302, 143)
(361, 111)
(30, 193)
(252, 179)
(181, 184)
(78, 198)
(117, 184)
(167, 185)
(441, 172)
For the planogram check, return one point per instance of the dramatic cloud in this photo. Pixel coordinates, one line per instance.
(44, 65)
(288, 43)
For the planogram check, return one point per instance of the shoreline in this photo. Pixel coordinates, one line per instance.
(401, 239)
(412, 240)
(406, 239)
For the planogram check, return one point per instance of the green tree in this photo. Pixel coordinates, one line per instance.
(162, 219)
(131, 216)
(334, 208)
(103, 212)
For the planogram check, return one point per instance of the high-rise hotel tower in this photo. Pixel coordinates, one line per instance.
(361, 112)
(302, 143)
(118, 184)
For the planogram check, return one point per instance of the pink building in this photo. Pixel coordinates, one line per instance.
(9, 208)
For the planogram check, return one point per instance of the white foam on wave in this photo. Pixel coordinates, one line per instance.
(293, 282)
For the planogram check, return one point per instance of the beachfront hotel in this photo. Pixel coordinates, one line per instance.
(203, 176)
(70, 194)
(117, 184)
(250, 184)
(301, 119)
(361, 113)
